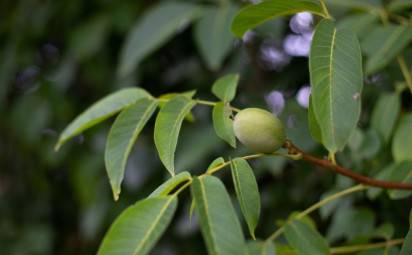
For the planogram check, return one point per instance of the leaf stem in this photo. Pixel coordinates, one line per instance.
(325, 9)
(365, 247)
(329, 199)
(202, 102)
(318, 205)
(326, 164)
(219, 167)
(215, 169)
(405, 71)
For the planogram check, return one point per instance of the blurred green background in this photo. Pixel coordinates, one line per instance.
(58, 57)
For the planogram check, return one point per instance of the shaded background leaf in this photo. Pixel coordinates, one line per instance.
(212, 34)
(153, 30)
(383, 44)
(385, 113)
(305, 239)
(402, 139)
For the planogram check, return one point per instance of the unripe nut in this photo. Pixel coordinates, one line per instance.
(259, 130)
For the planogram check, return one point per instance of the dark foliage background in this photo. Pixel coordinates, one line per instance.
(58, 57)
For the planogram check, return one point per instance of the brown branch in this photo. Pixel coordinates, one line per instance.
(292, 149)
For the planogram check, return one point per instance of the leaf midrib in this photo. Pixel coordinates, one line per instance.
(151, 228)
(179, 119)
(137, 130)
(203, 195)
(332, 49)
(389, 42)
(242, 198)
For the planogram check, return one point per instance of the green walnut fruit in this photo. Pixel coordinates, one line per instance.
(259, 130)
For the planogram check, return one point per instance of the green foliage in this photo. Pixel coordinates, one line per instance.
(384, 44)
(360, 23)
(122, 136)
(247, 192)
(217, 217)
(139, 227)
(385, 113)
(212, 34)
(223, 124)
(100, 111)
(261, 248)
(407, 245)
(335, 64)
(402, 140)
(399, 5)
(167, 128)
(39, 92)
(153, 30)
(305, 239)
(401, 173)
(314, 128)
(168, 186)
(225, 87)
(254, 15)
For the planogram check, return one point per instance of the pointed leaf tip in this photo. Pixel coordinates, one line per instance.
(167, 129)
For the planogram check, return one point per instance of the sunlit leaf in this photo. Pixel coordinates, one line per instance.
(335, 65)
(218, 161)
(151, 31)
(122, 136)
(402, 139)
(253, 15)
(167, 128)
(305, 239)
(225, 87)
(139, 227)
(383, 44)
(223, 124)
(212, 34)
(247, 192)
(218, 221)
(171, 184)
(384, 115)
(166, 97)
(101, 110)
